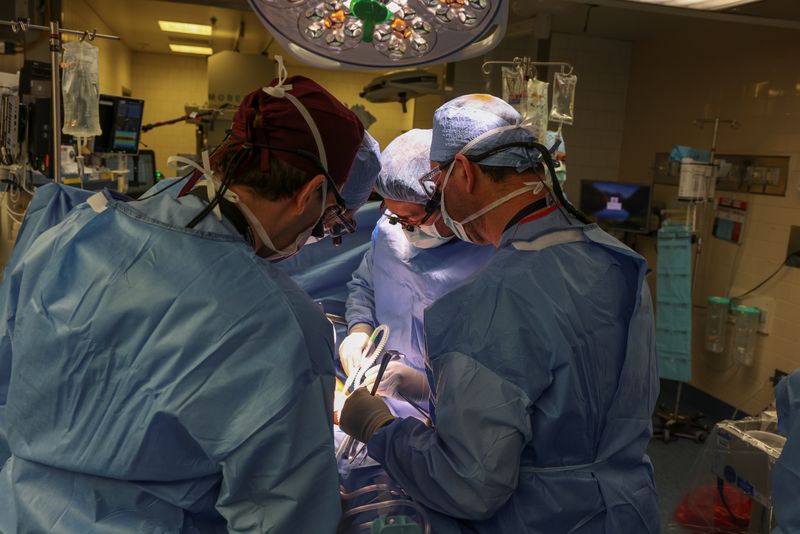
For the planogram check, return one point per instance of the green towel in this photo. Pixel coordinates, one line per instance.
(674, 303)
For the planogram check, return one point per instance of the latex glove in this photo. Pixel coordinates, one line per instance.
(363, 414)
(352, 346)
(399, 378)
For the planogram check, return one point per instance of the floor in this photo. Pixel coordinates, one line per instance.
(673, 463)
(682, 465)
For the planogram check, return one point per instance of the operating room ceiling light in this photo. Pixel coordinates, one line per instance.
(191, 49)
(184, 27)
(365, 33)
(698, 4)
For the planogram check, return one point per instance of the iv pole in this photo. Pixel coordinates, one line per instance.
(675, 418)
(55, 99)
(22, 25)
(716, 121)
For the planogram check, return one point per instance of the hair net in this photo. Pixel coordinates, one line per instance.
(462, 119)
(404, 161)
(363, 173)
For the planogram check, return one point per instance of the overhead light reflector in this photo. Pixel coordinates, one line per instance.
(184, 27)
(698, 4)
(380, 34)
(191, 49)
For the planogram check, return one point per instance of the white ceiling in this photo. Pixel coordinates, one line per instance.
(619, 19)
(774, 9)
(135, 21)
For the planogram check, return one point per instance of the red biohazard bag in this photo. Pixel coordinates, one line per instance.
(710, 509)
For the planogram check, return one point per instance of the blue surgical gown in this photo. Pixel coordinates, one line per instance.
(396, 281)
(162, 379)
(49, 205)
(544, 374)
(786, 473)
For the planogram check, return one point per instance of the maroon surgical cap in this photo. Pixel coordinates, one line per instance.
(275, 121)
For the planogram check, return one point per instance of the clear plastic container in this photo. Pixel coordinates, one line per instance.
(745, 333)
(563, 109)
(80, 86)
(515, 89)
(717, 323)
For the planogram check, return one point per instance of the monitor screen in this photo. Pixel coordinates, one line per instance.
(127, 125)
(102, 143)
(617, 205)
(121, 122)
(145, 169)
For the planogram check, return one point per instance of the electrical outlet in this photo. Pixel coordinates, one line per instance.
(765, 304)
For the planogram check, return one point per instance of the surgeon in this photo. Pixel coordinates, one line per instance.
(542, 364)
(324, 266)
(408, 266)
(355, 191)
(164, 376)
(786, 473)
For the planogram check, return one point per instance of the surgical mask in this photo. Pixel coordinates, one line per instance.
(274, 254)
(427, 236)
(213, 185)
(458, 227)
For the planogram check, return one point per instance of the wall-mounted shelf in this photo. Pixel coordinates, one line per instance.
(761, 175)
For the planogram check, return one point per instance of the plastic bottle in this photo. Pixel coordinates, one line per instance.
(717, 323)
(744, 337)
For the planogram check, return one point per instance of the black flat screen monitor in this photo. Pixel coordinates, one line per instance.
(617, 205)
(121, 122)
(143, 173)
(145, 169)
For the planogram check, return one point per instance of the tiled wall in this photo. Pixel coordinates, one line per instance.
(167, 83)
(755, 79)
(594, 141)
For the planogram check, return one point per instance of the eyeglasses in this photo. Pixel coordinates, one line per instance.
(431, 180)
(404, 223)
(335, 223)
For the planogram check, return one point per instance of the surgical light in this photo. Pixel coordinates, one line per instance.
(191, 49)
(184, 27)
(698, 4)
(376, 34)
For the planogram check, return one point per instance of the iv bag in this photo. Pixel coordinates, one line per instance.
(80, 90)
(514, 88)
(536, 114)
(563, 110)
